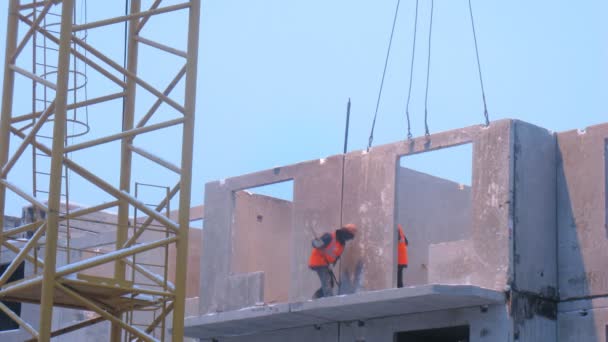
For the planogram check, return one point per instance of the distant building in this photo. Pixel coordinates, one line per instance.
(91, 235)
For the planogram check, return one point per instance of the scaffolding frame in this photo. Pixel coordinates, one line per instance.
(120, 296)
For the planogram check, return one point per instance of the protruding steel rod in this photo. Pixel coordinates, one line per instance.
(347, 124)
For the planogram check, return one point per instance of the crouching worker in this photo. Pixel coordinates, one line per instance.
(325, 252)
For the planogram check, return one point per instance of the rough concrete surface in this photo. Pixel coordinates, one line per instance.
(369, 184)
(534, 210)
(360, 306)
(581, 201)
(583, 320)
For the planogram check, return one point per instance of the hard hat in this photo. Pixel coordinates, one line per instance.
(351, 228)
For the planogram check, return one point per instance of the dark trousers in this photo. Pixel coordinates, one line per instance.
(400, 269)
(327, 282)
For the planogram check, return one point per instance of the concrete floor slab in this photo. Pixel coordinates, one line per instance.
(359, 306)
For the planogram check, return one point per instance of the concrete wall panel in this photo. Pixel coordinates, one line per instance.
(316, 207)
(369, 200)
(534, 221)
(490, 233)
(583, 236)
(369, 194)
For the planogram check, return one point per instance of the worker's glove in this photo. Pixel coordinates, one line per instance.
(317, 243)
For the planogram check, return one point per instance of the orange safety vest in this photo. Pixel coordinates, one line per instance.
(401, 248)
(327, 255)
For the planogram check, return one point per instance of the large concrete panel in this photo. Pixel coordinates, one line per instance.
(492, 190)
(316, 207)
(370, 194)
(581, 210)
(534, 210)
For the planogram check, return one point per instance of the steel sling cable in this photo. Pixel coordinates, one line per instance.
(409, 92)
(483, 93)
(428, 71)
(388, 52)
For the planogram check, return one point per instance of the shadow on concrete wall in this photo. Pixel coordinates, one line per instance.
(579, 324)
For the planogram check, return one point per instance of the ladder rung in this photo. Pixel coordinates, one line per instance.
(47, 47)
(148, 264)
(46, 65)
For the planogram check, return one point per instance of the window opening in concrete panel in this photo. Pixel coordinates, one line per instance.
(433, 207)
(451, 334)
(262, 236)
(281, 190)
(6, 323)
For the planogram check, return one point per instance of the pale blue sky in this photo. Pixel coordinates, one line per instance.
(274, 76)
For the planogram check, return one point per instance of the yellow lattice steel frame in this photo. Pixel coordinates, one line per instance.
(54, 279)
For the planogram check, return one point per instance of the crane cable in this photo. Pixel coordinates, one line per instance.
(428, 71)
(388, 52)
(483, 94)
(409, 92)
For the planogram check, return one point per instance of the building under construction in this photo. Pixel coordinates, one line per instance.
(517, 254)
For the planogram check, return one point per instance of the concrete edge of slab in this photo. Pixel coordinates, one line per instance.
(256, 319)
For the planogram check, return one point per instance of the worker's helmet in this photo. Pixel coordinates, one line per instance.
(351, 228)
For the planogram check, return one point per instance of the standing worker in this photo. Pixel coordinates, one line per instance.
(401, 255)
(325, 252)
